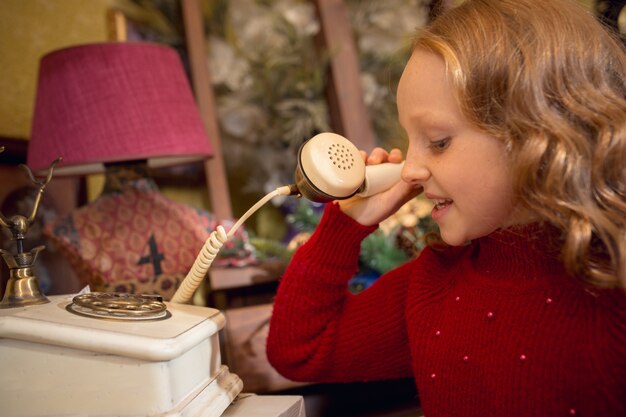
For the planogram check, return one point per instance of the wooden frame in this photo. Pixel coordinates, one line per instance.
(349, 115)
(201, 80)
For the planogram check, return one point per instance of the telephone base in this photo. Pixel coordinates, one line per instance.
(55, 362)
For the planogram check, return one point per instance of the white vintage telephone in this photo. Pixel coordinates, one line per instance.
(329, 168)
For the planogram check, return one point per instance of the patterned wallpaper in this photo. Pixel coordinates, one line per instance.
(28, 30)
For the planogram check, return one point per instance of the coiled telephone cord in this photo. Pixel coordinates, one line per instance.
(214, 243)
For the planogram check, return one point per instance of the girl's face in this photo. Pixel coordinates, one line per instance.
(463, 170)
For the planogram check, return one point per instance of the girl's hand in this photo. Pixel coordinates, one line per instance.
(376, 208)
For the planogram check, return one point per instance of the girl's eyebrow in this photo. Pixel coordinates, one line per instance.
(428, 119)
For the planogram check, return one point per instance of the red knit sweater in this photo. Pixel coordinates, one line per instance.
(495, 328)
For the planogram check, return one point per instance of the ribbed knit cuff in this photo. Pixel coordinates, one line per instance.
(337, 238)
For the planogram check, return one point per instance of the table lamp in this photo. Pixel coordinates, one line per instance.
(122, 109)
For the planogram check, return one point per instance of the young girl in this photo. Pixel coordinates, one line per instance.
(515, 114)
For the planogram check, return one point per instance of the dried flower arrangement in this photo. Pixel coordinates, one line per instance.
(269, 84)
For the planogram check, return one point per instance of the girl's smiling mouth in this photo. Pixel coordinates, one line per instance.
(440, 207)
(441, 203)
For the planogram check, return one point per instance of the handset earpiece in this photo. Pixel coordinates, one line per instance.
(330, 167)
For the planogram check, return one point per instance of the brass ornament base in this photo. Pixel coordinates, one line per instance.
(23, 287)
(21, 292)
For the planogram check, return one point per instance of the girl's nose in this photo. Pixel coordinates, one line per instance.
(414, 171)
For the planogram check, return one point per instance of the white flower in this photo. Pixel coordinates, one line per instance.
(240, 118)
(301, 16)
(373, 92)
(408, 215)
(256, 33)
(383, 28)
(422, 207)
(226, 67)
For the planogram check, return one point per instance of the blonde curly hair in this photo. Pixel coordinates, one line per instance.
(547, 78)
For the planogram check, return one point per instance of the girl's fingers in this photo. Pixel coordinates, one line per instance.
(379, 155)
(395, 156)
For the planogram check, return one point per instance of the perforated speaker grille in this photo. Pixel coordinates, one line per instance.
(341, 156)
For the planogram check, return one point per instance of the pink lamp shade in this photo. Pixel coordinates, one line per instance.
(114, 102)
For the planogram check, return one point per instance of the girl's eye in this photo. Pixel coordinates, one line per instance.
(439, 145)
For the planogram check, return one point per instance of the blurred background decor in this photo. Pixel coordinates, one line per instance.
(268, 76)
(269, 80)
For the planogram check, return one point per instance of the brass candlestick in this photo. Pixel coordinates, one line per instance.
(23, 287)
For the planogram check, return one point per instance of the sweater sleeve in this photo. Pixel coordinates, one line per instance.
(319, 331)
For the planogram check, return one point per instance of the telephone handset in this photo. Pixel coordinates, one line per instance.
(329, 168)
